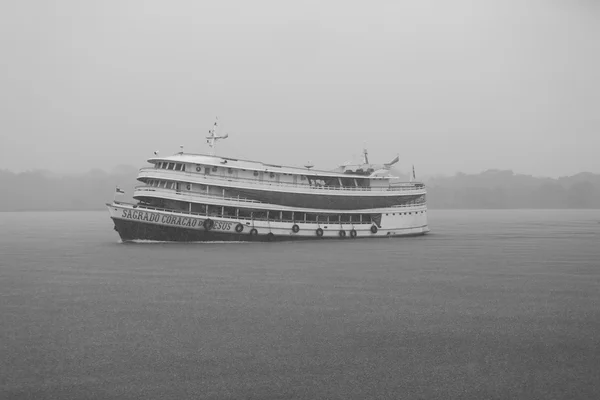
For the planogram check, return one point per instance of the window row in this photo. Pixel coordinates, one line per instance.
(313, 181)
(171, 165)
(266, 215)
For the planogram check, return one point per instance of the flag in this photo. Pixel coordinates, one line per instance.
(414, 177)
(119, 190)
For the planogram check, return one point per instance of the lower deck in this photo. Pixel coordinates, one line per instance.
(135, 222)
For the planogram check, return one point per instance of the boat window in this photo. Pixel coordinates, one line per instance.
(178, 167)
(183, 167)
(318, 182)
(287, 216)
(229, 211)
(229, 170)
(255, 173)
(198, 208)
(244, 213)
(259, 214)
(347, 182)
(334, 218)
(171, 165)
(311, 217)
(213, 210)
(362, 182)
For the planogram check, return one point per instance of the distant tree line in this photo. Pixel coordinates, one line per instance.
(505, 189)
(42, 190)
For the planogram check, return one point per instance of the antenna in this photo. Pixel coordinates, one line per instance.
(308, 165)
(212, 138)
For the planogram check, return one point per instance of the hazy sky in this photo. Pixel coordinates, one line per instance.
(463, 85)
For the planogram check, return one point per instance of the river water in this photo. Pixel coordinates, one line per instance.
(492, 304)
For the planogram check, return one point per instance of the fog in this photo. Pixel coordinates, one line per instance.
(449, 85)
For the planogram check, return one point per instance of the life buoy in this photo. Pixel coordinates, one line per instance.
(270, 237)
(253, 232)
(188, 186)
(295, 228)
(208, 224)
(198, 169)
(342, 234)
(352, 233)
(373, 229)
(239, 228)
(319, 232)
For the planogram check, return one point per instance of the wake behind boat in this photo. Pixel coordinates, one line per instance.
(198, 197)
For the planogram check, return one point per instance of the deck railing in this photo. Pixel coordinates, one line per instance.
(197, 177)
(194, 194)
(196, 197)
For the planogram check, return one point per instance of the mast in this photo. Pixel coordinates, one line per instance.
(212, 138)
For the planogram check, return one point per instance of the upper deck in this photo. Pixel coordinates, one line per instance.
(248, 165)
(234, 171)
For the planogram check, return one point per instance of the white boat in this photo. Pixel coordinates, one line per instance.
(203, 197)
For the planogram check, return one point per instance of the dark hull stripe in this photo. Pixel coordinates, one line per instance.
(324, 201)
(134, 230)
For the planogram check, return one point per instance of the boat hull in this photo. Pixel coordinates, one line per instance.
(131, 231)
(133, 224)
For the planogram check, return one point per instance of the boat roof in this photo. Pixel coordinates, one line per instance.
(250, 165)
